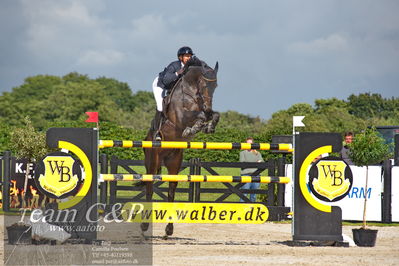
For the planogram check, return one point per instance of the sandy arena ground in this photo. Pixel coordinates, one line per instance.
(221, 244)
(262, 244)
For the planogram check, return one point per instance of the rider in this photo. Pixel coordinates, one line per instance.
(165, 81)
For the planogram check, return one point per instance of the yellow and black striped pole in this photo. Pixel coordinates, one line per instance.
(196, 145)
(195, 178)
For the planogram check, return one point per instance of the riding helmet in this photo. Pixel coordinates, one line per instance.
(184, 50)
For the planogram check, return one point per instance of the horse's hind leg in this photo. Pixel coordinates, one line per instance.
(148, 198)
(173, 164)
(153, 166)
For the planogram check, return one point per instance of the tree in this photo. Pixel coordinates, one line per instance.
(321, 104)
(366, 105)
(27, 143)
(5, 137)
(338, 119)
(368, 148)
(118, 92)
(236, 120)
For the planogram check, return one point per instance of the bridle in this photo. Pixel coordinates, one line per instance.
(200, 96)
(203, 97)
(206, 79)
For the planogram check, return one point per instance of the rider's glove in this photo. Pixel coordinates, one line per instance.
(180, 71)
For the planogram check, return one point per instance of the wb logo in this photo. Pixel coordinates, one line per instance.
(331, 173)
(63, 171)
(58, 175)
(330, 179)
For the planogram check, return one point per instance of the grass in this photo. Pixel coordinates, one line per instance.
(369, 224)
(360, 223)
(184, 196)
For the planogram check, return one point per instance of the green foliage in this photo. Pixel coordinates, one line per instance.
(281, 121)
(118, 92)
(236, 120)
(221, 135)
(27, 143)
(368, 148)
(321, 104)
(48, 99)
(5, 137)
(142, 99)
(368, 105)
(111, 131)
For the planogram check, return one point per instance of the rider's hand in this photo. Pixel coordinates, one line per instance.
(180, 71)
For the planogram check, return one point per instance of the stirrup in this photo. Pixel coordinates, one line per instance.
(158, 136)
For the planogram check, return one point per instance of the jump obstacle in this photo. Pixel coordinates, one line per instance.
(313, 220)
(195, 145)
(195, 178)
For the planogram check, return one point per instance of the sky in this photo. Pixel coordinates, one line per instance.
(271, 54)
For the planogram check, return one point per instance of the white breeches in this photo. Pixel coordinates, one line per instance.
(157, 94)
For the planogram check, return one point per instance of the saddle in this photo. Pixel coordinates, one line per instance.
(163, 119)
(168, 98)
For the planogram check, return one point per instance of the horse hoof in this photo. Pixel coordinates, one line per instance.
(144, 226)
(169, 230)
(186, 132)
(209, 130)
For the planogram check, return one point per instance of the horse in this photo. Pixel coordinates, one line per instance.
(187, 111)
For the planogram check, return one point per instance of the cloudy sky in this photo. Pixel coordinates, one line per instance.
(271, 54)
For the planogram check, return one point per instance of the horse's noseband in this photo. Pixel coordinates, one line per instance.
(210, 80)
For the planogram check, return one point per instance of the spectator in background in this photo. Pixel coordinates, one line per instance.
(344, 153)
(250, 156)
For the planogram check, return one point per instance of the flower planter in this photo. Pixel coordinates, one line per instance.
(364, 237)
(19, 234)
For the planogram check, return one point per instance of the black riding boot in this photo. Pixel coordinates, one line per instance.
(157, 125)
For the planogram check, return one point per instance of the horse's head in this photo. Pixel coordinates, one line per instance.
(203, 79)
(207, 85)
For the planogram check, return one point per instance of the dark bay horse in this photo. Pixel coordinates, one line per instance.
(189, 111)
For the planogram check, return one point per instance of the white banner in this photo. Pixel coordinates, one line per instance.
(352, 204)
(289, 187)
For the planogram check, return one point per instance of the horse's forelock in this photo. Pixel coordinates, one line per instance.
(194, 61)
(196, 67)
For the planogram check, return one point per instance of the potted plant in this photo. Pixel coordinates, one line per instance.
(366, 149)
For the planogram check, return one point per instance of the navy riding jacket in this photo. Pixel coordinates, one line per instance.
(168, 77)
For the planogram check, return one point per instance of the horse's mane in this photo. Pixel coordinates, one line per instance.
(196, 62)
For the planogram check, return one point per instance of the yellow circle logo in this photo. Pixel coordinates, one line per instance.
(58, 175)
(330, 179)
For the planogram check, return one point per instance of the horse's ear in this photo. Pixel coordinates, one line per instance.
(216, 67)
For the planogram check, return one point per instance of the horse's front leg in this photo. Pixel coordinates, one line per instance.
(212, 122)
(171, 198)
(197, 127)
